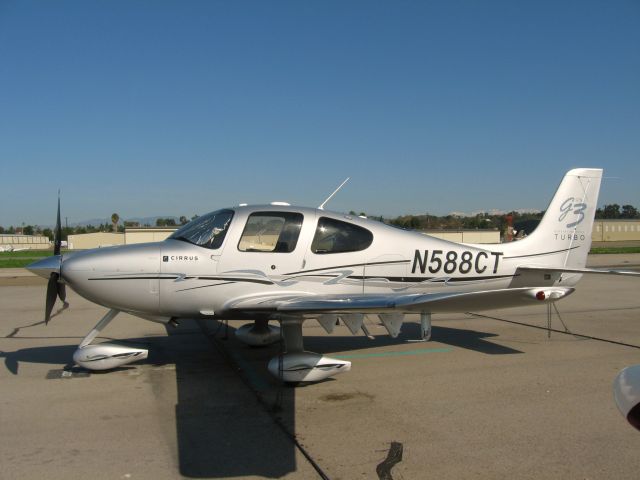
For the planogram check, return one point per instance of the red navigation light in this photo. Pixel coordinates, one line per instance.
(540, 295)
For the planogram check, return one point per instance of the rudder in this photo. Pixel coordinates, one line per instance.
(568, 221)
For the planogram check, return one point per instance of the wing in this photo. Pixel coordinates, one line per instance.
(313, 305)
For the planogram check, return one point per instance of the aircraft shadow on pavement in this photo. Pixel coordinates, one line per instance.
(468, 339)
(223, 428)
(57, 355)
(54, 355)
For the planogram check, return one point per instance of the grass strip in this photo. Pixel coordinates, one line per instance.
(16, 262)
(615, 250)
(26, 253)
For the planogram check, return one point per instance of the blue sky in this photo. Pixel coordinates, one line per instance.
(172, 108)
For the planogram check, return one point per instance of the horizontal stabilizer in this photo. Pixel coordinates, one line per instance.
(580, 270)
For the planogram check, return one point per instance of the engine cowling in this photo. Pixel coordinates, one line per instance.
(626, 391)
(105, 356)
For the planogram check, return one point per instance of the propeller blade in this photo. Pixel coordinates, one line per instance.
(62, 295)
(62, 292)
(58, 236)
(54, 287)
(52, 292)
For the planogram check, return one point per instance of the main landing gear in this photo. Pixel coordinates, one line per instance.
(258, 334)
(425, 326)
(295, 364)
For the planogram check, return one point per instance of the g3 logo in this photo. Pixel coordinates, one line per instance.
(569, 207)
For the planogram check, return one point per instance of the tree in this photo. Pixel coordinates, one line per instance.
(611, 211)
(66, 231)
(165, 222)
(115, 218)
(629, 211)
(28, 230)
(183, 220)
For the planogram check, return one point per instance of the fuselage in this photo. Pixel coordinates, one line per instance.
(275, 249)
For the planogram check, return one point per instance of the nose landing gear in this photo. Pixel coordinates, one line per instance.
(105, 356)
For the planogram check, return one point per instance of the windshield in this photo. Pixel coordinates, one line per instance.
(207, 231)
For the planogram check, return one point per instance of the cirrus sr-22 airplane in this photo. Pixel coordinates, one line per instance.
(280, 263)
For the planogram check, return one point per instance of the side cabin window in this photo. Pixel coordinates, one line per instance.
(207, 231)
(335, 236)
(271, 232)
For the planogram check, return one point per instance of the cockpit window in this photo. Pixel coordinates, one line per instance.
(334, 236)
(207, 231)
(271, 232)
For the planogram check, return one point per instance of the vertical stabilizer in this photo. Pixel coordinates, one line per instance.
(568, 222)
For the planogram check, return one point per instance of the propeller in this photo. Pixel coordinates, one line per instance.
(54, 287)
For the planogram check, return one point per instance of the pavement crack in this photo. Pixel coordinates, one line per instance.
(394, 456)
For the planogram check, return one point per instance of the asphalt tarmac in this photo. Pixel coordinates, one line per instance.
(491, 396)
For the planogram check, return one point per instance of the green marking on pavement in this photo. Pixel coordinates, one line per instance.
(395, 354)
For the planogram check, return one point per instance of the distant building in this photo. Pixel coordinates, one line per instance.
(603, 231)
(466, 236)
(86, 241)
(147, 234)
(10, 242)
(617, 230)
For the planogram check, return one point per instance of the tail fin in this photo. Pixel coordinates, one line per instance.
(568, 222)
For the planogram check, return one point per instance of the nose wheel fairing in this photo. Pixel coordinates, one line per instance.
(105, 356)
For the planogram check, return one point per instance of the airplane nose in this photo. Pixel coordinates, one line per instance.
(45, 267)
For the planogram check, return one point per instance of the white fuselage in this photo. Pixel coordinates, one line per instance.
(175, 278)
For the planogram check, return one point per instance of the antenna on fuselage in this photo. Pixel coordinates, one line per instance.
(321, 207)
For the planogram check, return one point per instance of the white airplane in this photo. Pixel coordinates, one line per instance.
(279, 263)
(11, 248)
(626, 391)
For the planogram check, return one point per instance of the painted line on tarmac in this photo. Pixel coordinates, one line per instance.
(555, 330)
(395, 354)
